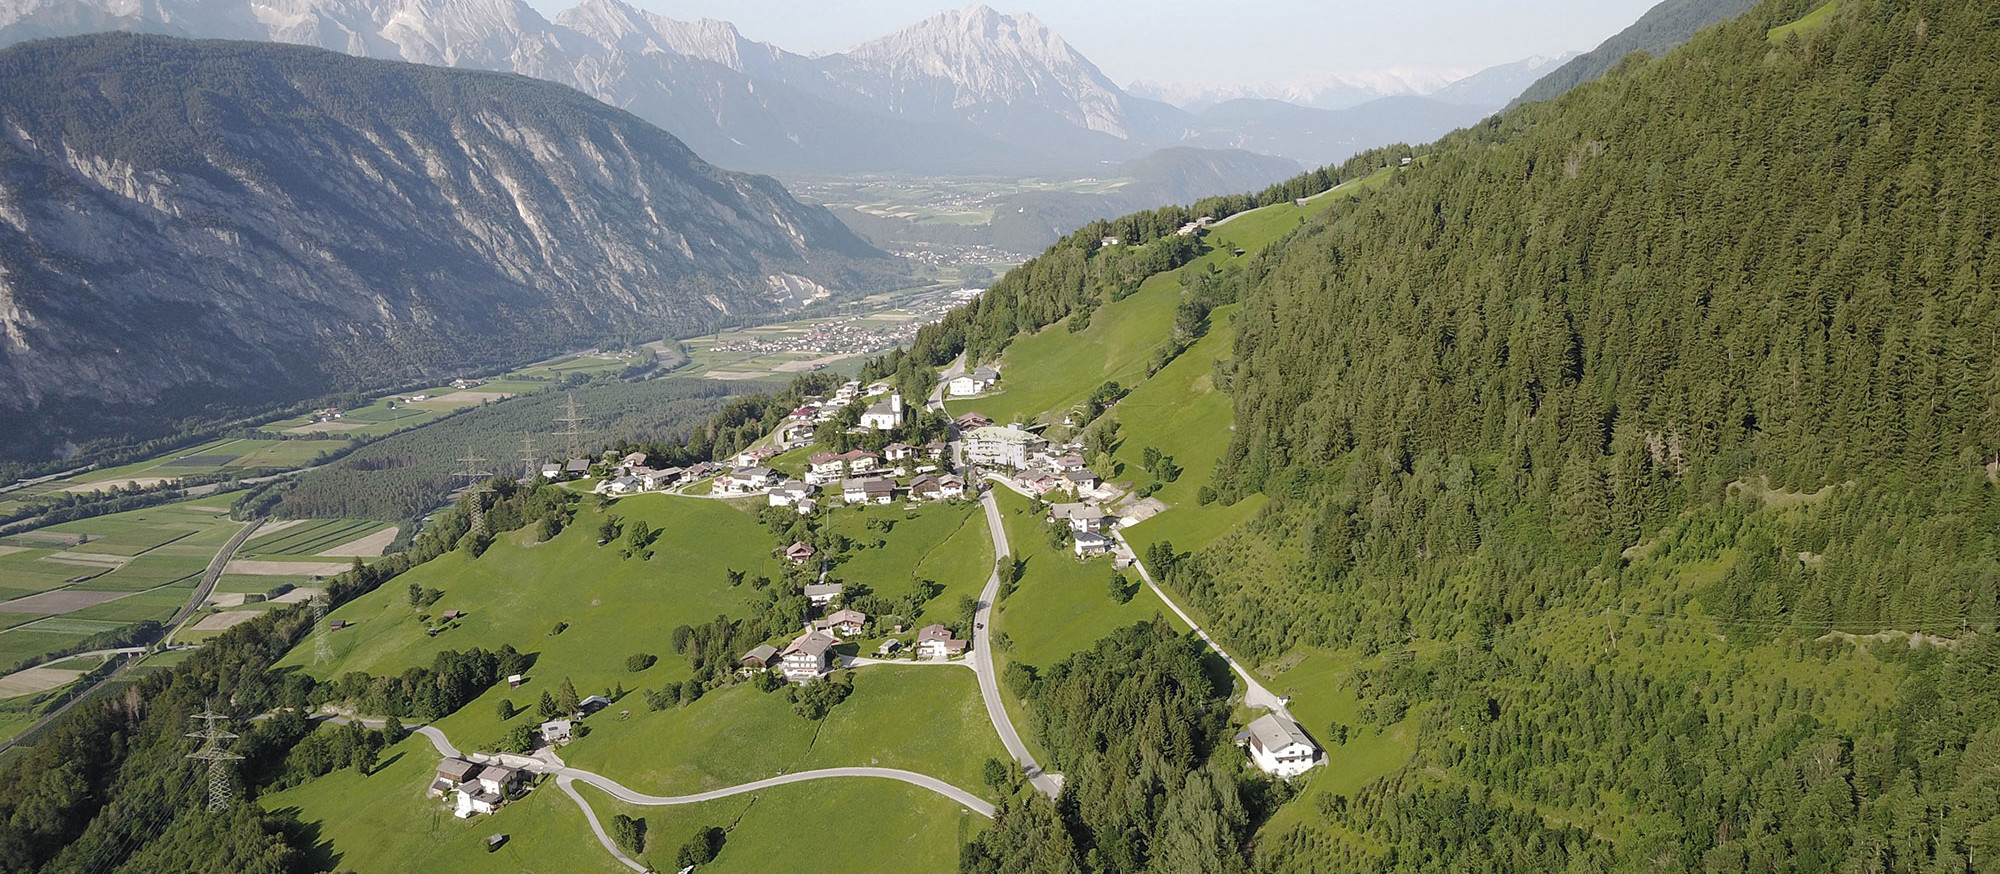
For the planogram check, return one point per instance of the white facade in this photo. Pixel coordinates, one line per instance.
(1009, 447)
(1279, 747)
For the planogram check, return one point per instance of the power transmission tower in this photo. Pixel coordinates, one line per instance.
(528, 458)
(220, 793)
(572, 421)
(474, 475)
(322, 643)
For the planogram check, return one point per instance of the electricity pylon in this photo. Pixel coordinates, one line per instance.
(220, 792)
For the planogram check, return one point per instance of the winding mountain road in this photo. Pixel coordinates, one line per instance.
(567, 777)
(982, 659)
(1254, 693)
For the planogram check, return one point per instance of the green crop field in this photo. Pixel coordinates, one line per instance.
(311, 537)
(881, 825)
(386, 822)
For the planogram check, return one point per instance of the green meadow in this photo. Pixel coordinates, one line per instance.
(842, 826)
(387, 822)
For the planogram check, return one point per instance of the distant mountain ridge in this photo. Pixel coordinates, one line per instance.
(185, 224)
(965, 92)
(1663, 27)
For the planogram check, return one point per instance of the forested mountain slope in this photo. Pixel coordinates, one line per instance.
(205, 223)
(1662, 28)
(1631, 474)
(1592, 436)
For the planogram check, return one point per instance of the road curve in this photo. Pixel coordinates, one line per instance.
(982, 659)
(1254, 693)
(567, 777)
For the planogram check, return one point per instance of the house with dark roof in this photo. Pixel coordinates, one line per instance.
(760, 657)
(844, 623)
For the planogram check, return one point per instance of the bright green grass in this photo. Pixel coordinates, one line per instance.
(1046, 373)
(1061, 605)
(516, 593)
(927, 719)
(311, 537)
(73, 625)
(385, 822)
(1812, 21)
(826, 826)
(1370, 753)
(921, 544)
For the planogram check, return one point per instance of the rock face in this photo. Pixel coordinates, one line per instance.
(969, 91)
(225, 223)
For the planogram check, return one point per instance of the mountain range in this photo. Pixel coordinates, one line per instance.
(965, 92)
(226, 225)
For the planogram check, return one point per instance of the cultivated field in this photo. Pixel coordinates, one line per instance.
(313, 537)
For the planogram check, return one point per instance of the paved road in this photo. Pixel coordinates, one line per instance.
(982, 660)
(1254, 693)
(209, 578)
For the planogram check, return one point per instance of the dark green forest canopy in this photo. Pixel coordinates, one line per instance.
(1587, 431)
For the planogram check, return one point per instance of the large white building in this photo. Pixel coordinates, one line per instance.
(1279, 747)
(884, 415)
(1003, 446)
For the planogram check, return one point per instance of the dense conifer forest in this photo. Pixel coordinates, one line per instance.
(1626, 440)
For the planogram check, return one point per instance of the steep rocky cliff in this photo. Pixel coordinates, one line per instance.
(188, 224)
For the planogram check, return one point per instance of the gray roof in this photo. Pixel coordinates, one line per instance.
(762, 653)
(823, 589)
(496, 773)
(813, 644)
(458, 769)
(754, 472)
(1274, 732)
(1076, 511)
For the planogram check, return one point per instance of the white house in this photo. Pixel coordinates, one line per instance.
(623, 485)
(1278, 746)
(950, 487)
(825, 467)
(1089, 544)
(899, 452)
(635, 459)
(936, 642)
(1081, 517)
(750, 479)
(557, 732)
(789, 494)
(486, 792)
(1083, 479)
(552, 470)
(884, 415)
(1003, 446)
(874, 490)
(822, 594)
(809, 656)
(980, 380)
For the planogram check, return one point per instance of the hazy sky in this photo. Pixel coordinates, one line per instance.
(1222, 42)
